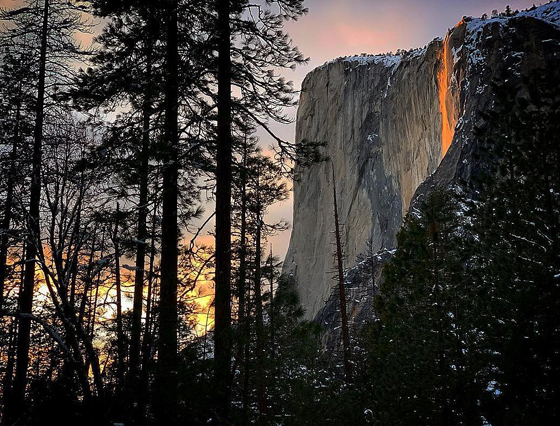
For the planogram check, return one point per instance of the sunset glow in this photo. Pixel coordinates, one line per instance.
(199, 276)
(447, 120)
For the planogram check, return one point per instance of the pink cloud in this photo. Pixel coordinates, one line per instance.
(349, 37)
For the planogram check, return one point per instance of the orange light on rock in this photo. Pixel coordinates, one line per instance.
(445, 98)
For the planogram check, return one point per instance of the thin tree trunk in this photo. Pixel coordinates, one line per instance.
(342, 292)
(222, 331)
(168, 359)
(246, 366)
(121, 349)
(9, 378)
(74, 267)
(6, 220)
(26, 297)
(243, 249)
(372, 268)
(93, 296)
(244, 330)
(5, 401)
(147, 340)
(142, 233)
(271, 278)
(93, 314)
(259, 309)
(65, 313)
(87, 284)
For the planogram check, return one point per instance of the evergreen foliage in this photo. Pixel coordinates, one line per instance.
(467, 326)
(418, 360)
(516, 218)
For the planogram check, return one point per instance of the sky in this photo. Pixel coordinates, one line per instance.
(334, 28)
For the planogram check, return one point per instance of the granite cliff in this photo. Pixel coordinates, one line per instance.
(396, 126)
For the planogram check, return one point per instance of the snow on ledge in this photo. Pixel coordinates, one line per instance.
(388, 61)
(549, 12)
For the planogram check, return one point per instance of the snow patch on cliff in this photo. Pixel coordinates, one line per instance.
(549, 12)
(385, 60)
(475, 26)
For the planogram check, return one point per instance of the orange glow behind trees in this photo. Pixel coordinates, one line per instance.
(196, 273)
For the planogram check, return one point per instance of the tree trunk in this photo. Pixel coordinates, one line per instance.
(75, 362)
(6, 220)
(142, 234)
(167, 358)
(222, 312)
(74, 267)
(243, 250)
(342, 292)
(243, 322)
(147, 340)
(271, 278)
(121, 349)
(26, 296)
(5, 401)
(88, 282)
(259, 309)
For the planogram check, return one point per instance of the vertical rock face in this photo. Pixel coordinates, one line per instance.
(449, 77)
(381, 119)
(388, 121)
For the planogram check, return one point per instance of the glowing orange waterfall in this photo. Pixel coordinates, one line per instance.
(448, 121)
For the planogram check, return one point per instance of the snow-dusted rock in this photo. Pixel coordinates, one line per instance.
(387, 120)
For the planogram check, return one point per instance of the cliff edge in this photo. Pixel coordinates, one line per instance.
(395, 126)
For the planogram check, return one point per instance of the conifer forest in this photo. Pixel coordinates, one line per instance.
(138, 285)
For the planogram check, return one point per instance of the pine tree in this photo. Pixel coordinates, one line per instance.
(127, 69)
(418, 359)
(222, 310)
(249, 66)
(516, 219)
(26, 294)
(167, 353)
